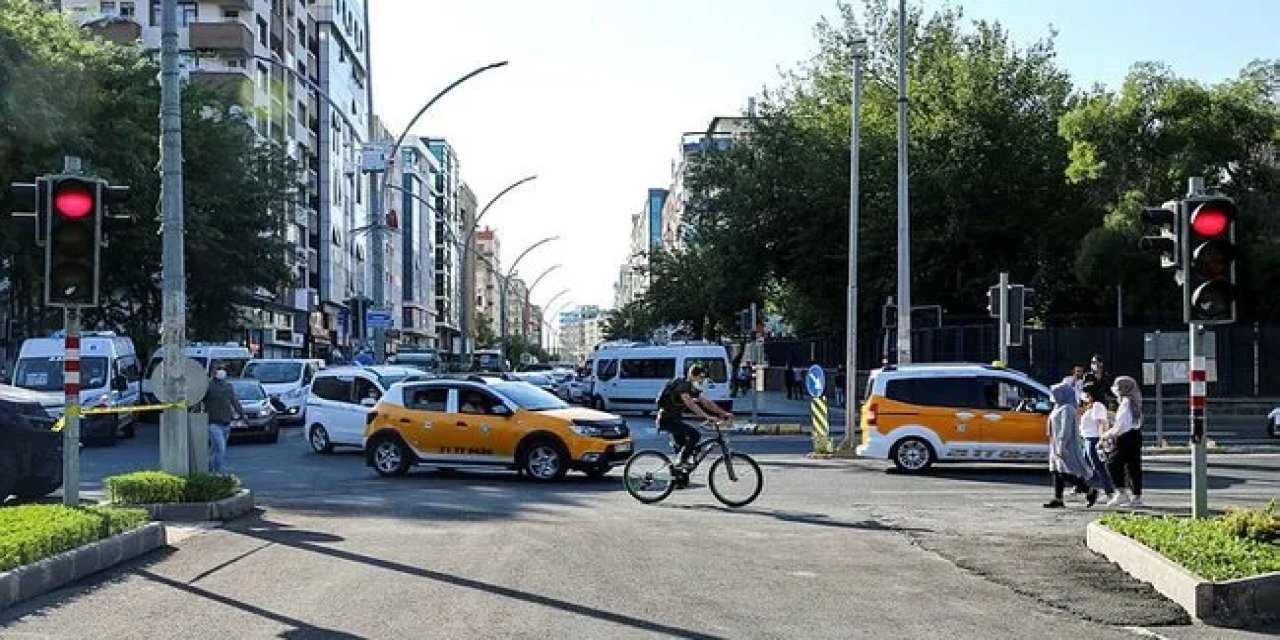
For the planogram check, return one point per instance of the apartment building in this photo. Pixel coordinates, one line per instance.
(720, 134)
(487, 279)
(419, 168)
(448, 249)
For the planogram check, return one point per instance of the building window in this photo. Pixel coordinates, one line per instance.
(107, 8)
(262, 31)
(128, 9)
(231, 14)
(187, 13)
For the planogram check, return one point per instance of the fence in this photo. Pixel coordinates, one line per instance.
(1248, 357)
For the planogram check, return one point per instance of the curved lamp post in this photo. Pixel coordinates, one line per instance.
(467, 283)
(511, 272)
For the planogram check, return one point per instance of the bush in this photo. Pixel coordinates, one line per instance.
(152, 487)
(1262, 525)
(1206, 547)
(30, 533)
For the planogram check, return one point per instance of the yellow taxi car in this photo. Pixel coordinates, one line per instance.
(919, 414)
(494, 423)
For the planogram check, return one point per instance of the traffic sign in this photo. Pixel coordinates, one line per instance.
(815, 381)
(377, 319)
(197, 382)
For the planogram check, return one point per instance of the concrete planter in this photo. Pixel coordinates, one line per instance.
(57, 571)
(223, 510)
(1229, 602)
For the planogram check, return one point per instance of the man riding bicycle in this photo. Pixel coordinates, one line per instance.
(686, 394)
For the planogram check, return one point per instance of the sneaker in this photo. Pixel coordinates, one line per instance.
(1118, 500)
(1091, 498)
(1136, 503)
(1055, 504)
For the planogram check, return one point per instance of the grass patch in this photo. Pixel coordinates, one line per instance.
(33, 532)
(155, 487)
(1216, 549)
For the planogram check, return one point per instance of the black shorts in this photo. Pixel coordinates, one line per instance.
(686, 435)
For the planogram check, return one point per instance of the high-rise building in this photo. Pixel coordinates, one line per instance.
(265, 55)
(487, 279)
(468, 205)
(448, 251)
(581, 329)
(646, 239)
(419, 169)
(517, 300)
(720, 134)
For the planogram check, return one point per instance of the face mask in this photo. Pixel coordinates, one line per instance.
(221, 375)
(700, 385)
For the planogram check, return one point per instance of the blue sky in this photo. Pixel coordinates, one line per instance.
(598, 92)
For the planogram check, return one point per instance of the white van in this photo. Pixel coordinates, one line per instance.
(341, 399)
(210, 356)
(288, 380)
(630, 377)
(110, 376)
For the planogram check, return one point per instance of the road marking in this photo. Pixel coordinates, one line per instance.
(802, 574)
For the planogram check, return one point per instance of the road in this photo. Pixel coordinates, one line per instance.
(833, 548)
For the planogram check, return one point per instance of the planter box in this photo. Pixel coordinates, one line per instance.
(1230, 602)
(57, 571)
(223, 510)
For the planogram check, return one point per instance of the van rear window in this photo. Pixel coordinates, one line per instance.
(935, 392)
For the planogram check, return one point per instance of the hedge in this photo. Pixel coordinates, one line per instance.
(29, 533)
(1237, 545)
(152, 487)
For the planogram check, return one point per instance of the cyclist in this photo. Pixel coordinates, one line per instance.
(686, 394)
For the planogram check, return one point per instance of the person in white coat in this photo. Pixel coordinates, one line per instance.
(1125, 463)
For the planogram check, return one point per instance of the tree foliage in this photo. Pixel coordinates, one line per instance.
(1011, 169)
(64, 92)
(632, 321)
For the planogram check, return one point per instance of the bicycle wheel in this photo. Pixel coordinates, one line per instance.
(736, 479)
(648, 476)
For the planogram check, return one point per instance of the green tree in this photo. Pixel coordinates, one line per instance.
(484, 334)
(633, 321)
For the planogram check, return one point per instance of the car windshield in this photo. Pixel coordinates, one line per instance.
(45, 374)
(529, 397)
(274, 372)
(249, 390)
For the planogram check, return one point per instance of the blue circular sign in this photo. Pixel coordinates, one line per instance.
(815, 381)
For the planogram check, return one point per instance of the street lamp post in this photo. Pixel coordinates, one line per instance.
(379, 185)
(467, 284)
(502, 292)
(851, 310)
(529, 293)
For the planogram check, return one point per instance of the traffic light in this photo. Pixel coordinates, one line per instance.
(1169, 225)
(74, 235)
(1209, 254)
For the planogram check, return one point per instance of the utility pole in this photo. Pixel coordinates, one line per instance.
(175, 440)
(1003, 331)
(1197, 394)
(904, 227)
(851, 307)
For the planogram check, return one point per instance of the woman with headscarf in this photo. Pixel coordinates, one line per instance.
(1067, 462)
(1125, 464)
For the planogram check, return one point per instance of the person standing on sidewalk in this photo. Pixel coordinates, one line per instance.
(1093, 421)
(841, 381)
(1125, 463)
(788, 381)
(1067, 461)
(223, 406)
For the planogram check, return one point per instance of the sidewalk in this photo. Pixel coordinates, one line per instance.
(776, 405)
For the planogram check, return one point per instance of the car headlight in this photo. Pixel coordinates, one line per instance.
(295, 394)
(587, 429)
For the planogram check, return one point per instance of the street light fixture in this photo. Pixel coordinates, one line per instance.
(467, 283)
(511, 272)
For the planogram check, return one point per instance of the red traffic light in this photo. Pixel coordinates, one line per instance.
(1210, 221)
(72, 201)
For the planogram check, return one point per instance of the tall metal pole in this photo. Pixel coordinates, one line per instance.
(851, 308)
(1003, 332)
(904, 228)
(175, 440)
(1198, 401)
(71, 410)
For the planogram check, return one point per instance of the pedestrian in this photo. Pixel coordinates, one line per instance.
(788, 381)
(1075, 380)
(797, 381)
(744, 378)
(1067, 461)
(842, 381)
(1098, 383)
(1093, 422)
(222, 406)
(1125, 463)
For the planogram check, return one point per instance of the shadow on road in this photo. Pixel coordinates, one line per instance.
(69, 594)
(273, 532)
(1038, 476)
(800, 517)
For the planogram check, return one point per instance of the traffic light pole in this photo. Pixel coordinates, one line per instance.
(71, 410)
(1198, 400)
(175, 439)
(1003, 330)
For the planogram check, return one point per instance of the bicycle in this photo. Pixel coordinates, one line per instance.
(650, 475)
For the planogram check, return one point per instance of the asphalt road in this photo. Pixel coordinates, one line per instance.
(833, 548)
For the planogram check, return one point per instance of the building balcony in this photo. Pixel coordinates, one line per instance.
(119, 31)
(222, 36)
(242, 5)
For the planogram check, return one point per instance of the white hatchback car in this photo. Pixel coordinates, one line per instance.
(341, 398)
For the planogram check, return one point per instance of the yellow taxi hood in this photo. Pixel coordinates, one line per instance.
(579, 413)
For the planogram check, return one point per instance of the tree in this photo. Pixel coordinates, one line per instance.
(633, 321)
(86, 97)
(1136, 147)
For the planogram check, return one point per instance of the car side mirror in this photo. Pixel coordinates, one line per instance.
(501, 410)
(368, 402)
(119, 383)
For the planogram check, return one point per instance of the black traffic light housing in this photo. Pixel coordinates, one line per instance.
(1209, 255)
(73, 240)
(1169, 223)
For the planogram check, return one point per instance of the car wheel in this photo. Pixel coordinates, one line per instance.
(389, 457)
(318, 437)
(913, 455)
(544, 460)
(272, 437)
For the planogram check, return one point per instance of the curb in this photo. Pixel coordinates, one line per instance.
(223, 510)
(1229, 603)
(1219, 449)
(33, 580)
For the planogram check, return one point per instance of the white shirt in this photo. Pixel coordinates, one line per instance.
(1124, 418)
(1093, 420)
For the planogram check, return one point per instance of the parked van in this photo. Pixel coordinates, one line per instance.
(231, 355)
(919, 414)
(288, 380)
(629, 377)
(110, 376)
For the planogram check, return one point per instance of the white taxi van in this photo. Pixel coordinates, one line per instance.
(919, 414)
